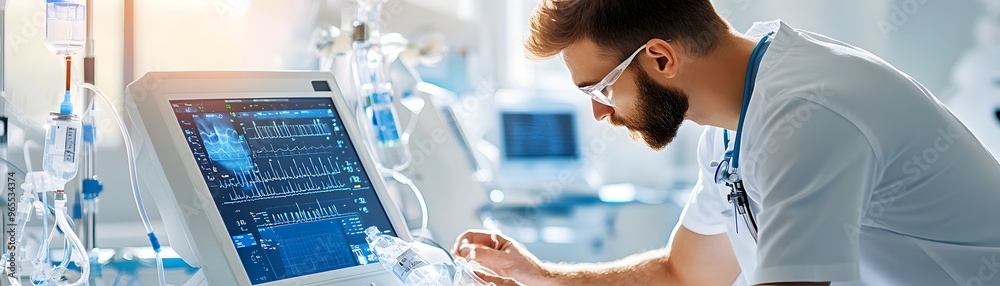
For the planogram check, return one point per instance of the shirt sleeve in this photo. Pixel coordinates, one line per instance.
(814, 170)
(703, 212)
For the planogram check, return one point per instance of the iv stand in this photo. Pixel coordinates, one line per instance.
(3, 35)
(91, 187)
(89, 216)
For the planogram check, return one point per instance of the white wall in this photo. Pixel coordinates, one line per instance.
(923, 38)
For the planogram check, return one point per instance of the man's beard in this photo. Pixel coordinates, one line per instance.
(658, 115)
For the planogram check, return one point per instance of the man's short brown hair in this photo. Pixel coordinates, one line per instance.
(621, 26)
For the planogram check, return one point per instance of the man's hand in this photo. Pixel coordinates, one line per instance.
(501, 254)
(790, 284)
(499, 281)
(693, 259)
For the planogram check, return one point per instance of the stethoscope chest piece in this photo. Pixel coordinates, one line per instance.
(724, 172)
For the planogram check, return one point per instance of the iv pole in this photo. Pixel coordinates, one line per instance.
(90, 187)
(3, 35)
(89, 214)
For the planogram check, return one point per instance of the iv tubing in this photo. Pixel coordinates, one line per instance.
(66, 107)
(27, 159)
(132, 177)
(394, 172)
(69, 71)
(27, 162)
(400, 177)
(71, 236)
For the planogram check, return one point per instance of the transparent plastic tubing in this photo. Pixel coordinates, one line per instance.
(153, 241)
(394, 173)
(62, 221)
(400, 177)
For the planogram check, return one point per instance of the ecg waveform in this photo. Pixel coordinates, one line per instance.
(305, 215)
(286, 131)
(272, 151)
(270, 159)
(309, 212)
(283, 180)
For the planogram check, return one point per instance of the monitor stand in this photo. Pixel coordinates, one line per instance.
(198, 279)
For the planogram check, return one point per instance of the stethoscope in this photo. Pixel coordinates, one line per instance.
(727, 171)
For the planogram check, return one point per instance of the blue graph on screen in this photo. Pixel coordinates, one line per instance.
(309, 247)
(288, 183)
(284, 150)
(275, 158)
(349, 218)
(289, 177)
(274, 130)
(222, 143)
(312, 229)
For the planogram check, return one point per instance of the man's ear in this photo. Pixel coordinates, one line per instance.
(664, 58)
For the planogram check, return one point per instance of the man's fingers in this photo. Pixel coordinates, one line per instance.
(502, 281)
(468, 237)
(459, 249)
(480, 237)
(483, 237)
(491, 258)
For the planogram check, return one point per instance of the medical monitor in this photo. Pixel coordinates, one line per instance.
(543, 134)
(286, 187)
(539, 143)
(286, 179)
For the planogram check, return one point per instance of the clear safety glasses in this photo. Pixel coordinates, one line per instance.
(598, 92)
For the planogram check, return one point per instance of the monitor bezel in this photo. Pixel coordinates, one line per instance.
(221, 235)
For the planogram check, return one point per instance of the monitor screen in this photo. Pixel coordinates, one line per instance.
(288, 183)
(539, 135)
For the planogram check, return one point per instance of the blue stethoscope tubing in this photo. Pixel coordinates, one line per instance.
(726, 172)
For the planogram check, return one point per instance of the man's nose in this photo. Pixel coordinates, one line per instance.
(600, 110)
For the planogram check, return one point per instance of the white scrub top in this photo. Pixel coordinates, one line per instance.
(856, 173)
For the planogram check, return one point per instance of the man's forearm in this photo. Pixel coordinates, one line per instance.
(646, 268)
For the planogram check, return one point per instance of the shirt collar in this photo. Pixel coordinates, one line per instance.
(761, 28)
